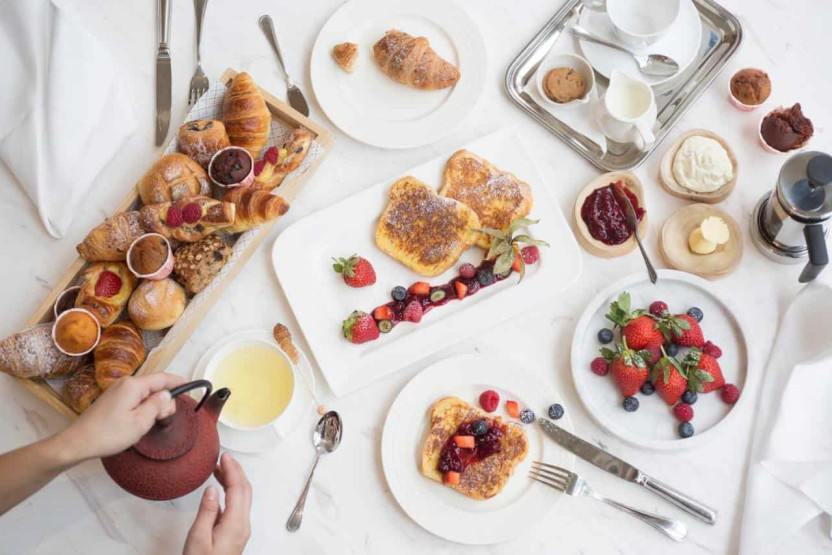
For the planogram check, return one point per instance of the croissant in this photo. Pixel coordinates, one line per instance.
(410, 60)
(31, 353)
(105, 291)
(119, 353)
(111, 239)
(245, 114)
(187, 220)
(82, 389)
(277, 163)
(254, 207)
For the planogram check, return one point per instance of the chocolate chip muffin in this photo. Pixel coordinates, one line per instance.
(196, 264)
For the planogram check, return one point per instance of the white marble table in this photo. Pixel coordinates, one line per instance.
(350, 509)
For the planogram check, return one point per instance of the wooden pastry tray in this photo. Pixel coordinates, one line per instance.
(159, 358)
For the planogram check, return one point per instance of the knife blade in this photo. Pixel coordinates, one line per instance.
(163, 72)
(625, 470)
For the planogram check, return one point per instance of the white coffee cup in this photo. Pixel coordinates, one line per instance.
(628, 112)
(640, 23)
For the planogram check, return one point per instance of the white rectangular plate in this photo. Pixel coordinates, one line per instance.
(302, 258)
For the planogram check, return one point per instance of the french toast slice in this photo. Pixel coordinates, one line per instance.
(482, 479)
(496, 196)
(423, 231)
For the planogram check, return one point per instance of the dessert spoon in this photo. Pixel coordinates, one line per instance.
(326, 438)
(650, 64)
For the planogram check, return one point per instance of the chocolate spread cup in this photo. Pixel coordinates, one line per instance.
(164, 270)
(64, 297)
(767, 147)
(63, 315)
(245, 182)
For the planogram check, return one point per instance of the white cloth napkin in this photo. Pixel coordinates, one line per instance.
(790, 469)
(63, 110)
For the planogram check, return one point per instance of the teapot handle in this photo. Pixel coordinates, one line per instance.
(818, 257)
(176, 391)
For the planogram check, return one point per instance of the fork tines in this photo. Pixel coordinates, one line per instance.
(550, 475)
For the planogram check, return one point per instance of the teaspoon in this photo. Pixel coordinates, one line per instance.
(651, 64)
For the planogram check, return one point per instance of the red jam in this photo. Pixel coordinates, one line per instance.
(456, 459)
(606, 218)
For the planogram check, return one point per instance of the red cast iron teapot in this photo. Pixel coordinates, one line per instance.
(178, 454)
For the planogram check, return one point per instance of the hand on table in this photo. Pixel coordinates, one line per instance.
(219, 531)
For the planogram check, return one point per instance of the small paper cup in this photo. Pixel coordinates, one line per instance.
(68, 291)
(572, 61)
(247, 180)
(736, 102)
(767, 147)
(166, 268)
(63, 315)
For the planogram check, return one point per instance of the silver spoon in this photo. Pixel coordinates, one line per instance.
(326, 438)
(632, 223)
(652, 64)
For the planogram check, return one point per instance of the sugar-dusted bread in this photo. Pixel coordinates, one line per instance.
(423, 231)
(497, 197)
(173, 177)
(483, 479)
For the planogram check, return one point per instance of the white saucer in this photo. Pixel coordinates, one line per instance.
(653, 425)
(373, 108)
(681, 42)
(302, 405)
(442, 510)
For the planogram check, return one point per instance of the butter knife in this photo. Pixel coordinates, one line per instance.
(632, 223)
(625, 471)
(296, 99)
(163, 77)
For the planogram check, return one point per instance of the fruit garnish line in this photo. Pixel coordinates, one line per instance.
(504, 257)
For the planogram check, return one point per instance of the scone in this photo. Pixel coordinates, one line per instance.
(423, 231)
(196, 264)
(482, 470)
(496, 196)
(345, 55)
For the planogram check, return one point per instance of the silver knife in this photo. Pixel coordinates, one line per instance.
(163, 78)
(632, 223)
(296, 99)
(626, 471)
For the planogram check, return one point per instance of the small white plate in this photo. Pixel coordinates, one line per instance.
(302, 259)
(653, 425)
(301, 406)
(442, 510)
(681, 42)
(373, 108)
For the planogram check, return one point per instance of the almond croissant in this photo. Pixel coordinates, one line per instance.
(254, 207)
(410, 60)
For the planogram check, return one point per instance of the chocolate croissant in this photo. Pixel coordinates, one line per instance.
(110, 240)
(246, 117)
(119, 353)
(254, 207)
(410, 60)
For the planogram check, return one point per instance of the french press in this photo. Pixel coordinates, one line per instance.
(789, 223)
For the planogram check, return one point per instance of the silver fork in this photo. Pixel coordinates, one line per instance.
(199, 82)
(572, 484)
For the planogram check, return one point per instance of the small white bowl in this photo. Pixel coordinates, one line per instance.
(55, 327)
(163, 271)
(572, 61)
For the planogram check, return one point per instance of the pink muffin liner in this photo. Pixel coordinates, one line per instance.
(247, 180)
(166, 268)
(739, 105)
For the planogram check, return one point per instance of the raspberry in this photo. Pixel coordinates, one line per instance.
(413, 312)
(258, 167)
(658, 308)
(655, 353)
(271, 155)
(467, 271)
(108, 284)
(530, 254)
(730, 393)
(174, 216)
(489, 400)
(683, 412)
(191, 213)
(599, 366)
(710, 349)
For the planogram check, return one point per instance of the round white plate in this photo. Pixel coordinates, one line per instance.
(301, 406)
(440, 509)
(681, 42)
(373, 108)
(653, 425)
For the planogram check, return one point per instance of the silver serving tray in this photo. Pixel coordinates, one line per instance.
(722, 34)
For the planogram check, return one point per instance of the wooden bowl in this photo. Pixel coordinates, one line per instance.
(592, 245)
(673, 243)
(669, 183)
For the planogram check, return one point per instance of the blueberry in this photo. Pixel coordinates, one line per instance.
(526, 416)
(672, 349)
(605, 335)
(689, 397)
(555, 412)
(631, 404)
(479, 427)
(647, 388)
(685, 429)
(399, 293)
(485, 276)
(696, 314)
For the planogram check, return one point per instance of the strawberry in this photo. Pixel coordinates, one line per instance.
(668, 377)
(639, 329)
(413, 312)
(360, 327)
(513, 409)
(174, 217)
(451, 478)
(628, 367)
(420, 288)
(191, 213)
(383, 312)
(710, 349)
(489, 400)
(466, 442)
(270, 155)
(682, 330)
(258, 167)
(704, 373)
(357, 271)
(108, 284)
(461, 290)
(530, 254)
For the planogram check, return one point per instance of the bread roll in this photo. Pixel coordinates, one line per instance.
(173, 177)
(31, 353)
(156, 305)
(119, 353)
(199, 140)
(81, 389)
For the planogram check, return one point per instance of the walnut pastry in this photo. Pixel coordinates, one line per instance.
(196, 264)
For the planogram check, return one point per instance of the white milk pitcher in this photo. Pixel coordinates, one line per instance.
(629, 111)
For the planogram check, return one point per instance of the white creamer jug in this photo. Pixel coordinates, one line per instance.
(628, 112)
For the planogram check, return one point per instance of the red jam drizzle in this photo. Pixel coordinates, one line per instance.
(605, 217)
(454, 458)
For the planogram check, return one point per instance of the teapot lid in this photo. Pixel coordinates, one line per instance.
(805, 186)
